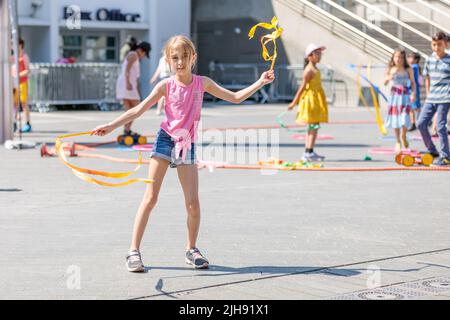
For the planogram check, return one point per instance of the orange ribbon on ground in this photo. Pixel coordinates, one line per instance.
(84, 173)
(268, 38)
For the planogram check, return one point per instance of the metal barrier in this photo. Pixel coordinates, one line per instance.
(76, 84)
(95, 83)
(289, 78)
(238, 76)
(341, 86)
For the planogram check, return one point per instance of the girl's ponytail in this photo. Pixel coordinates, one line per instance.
(306, 62)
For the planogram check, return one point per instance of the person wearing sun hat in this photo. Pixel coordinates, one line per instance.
(312, 102)
(127, 87)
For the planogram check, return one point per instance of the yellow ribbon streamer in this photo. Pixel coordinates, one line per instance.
(268, 38)
(375, 103)
(374, 97)
(84, 173)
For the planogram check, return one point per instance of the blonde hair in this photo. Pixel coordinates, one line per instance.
(181, 40)
(184, 41)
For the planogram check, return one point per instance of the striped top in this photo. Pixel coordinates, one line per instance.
(439, 72)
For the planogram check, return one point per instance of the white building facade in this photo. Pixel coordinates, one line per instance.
(94, 31)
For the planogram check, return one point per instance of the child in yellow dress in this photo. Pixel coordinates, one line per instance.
(312, 102)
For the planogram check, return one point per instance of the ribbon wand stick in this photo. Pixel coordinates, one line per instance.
(273, 63)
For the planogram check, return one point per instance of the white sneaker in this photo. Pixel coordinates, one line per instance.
(305, 157)
(134, 262)
(312, 157)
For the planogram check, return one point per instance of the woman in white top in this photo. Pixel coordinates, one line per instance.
(127, 88)
(162, 72)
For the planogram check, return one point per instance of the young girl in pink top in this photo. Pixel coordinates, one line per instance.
(175, 142)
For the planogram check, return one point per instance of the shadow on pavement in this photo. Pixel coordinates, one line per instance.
(269, 272)
(285, 270)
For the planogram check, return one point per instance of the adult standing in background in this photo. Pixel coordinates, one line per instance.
(130, 45)
(127, 88)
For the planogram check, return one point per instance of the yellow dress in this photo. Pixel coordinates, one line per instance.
(313, 107)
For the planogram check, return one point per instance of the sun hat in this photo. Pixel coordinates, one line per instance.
(313, 47)
(146, 47)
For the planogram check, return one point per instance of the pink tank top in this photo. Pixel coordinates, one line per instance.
(183, 111)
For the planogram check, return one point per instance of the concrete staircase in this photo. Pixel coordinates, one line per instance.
(409, 36)
(398, 31)
(347, 46)
(403, 34)
(344, 47)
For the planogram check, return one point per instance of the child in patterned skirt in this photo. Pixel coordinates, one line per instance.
(403, 93)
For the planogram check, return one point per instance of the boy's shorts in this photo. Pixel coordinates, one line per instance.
(23, 94)
(164, 148)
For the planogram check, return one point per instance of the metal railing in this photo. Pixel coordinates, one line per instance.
(433, 8)
(234, 76)
(340, 28)
(417, 15)
(237, 76)
(393, 19)
(288, 79)
(73, 84)
(373, 27)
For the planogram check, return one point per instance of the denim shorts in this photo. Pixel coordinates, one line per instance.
(164, 148)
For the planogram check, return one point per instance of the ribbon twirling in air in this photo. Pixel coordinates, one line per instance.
(373, 90)
(84, 173)
(268, 38)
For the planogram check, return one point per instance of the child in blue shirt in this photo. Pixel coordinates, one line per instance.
(413, 61)
(437, 83)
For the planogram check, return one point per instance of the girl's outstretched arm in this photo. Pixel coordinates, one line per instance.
(413, 84)
(214, 89)
(388, 77)
(155, 75)
(158, 92)
(307, 76)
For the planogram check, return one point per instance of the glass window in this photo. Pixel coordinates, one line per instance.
(89, 47)
(111, 55)
(101, 54)
(90, 55)
(72, 41)
(111, 42)
(101, 42)
(69, 53)
(98, 42)
(91, 42)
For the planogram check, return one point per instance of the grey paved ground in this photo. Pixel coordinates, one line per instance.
(292, 235)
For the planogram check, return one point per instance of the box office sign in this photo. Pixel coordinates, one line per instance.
(102, 14)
